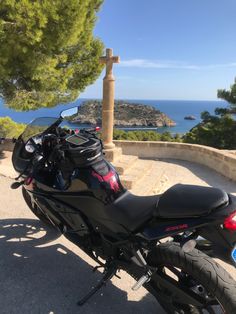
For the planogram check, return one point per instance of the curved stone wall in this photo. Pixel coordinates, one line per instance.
(7, 145)
(221, 161)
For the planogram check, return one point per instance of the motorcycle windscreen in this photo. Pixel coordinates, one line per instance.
(37, 126)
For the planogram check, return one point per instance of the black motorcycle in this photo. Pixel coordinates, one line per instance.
(68, 184)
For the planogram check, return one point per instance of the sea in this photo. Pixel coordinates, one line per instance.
(175, 109)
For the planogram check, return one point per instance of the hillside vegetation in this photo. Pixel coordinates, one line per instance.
(217, 131)
(145, 136)
(9, 128)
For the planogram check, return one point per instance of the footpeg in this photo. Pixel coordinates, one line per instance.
(145, 278)
(16, 185)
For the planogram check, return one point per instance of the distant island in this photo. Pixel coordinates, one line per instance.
(126, 115)
(190, 118)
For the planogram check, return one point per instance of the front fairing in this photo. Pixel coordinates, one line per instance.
(24, 150)
(88, 193)
(20, 161)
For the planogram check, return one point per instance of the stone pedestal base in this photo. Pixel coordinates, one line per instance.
(112, 154)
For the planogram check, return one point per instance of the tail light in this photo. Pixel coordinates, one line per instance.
(230, 222)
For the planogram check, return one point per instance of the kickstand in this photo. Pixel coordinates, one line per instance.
(111, 271)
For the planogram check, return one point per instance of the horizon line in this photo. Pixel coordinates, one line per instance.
(153, 99)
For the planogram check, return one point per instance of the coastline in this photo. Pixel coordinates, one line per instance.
(175, 109)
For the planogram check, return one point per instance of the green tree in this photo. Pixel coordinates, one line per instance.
(9, 128)
(229, 95)
(48, 53)
(166, 137)
(177, 138)
(140, 135)
(215, 131)
(205, 116)
(222, 111)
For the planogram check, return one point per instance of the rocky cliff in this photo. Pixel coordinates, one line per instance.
(126, 115)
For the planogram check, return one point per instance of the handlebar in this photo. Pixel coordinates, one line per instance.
(51, 147)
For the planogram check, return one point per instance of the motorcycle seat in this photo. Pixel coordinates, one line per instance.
(133, 211)
(182, 201)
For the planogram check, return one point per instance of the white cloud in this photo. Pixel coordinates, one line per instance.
(158, 64)
(220, 65)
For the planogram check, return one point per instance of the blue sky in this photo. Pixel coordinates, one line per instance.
(169, 49)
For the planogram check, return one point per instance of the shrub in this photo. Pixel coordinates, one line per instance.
(140, 135)
(9, 128)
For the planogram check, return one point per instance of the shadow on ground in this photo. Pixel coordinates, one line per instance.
(51, 278)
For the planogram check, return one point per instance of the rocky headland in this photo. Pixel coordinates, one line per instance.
(126, 115)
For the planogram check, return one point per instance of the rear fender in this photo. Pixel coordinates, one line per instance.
(217, 234)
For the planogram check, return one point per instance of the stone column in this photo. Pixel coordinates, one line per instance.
(108, 100)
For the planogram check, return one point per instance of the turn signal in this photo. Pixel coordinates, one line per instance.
(230, 222)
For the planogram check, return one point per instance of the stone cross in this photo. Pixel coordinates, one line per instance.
(109, 59)
(108, 99)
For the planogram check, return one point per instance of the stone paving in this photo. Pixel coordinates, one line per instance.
(45, 273)
(42, 272)
(6, 168)
(172, 171)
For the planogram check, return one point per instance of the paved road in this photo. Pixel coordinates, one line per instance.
(44, 273)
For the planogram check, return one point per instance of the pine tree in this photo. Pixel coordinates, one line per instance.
(48, 53)
(229, 95)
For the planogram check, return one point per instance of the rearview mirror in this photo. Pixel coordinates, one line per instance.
(69, 112)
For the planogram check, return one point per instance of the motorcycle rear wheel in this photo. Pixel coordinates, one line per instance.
(34, 208)
(217, 286)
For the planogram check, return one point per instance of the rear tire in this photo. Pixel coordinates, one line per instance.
(34, 208)
(217, 282)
